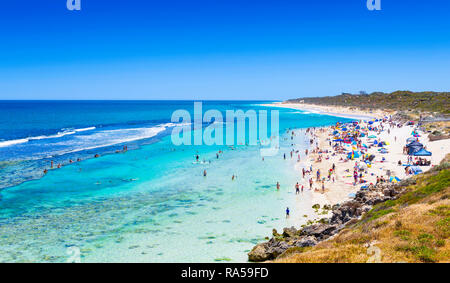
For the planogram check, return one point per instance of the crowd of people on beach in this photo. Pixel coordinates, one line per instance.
(356, 143)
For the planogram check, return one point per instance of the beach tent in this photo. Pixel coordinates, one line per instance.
(422, 152)
(416, 169)
(394, 179)
(414, 147)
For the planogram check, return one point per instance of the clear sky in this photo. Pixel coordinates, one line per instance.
(221, 49)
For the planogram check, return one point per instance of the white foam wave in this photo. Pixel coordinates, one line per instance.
(12, 142)
(58, 135)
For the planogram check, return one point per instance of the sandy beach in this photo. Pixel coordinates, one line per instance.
(341, 186)
(338, 111)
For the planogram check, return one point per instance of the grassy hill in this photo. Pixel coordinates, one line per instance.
(399, 100)
(413, 228)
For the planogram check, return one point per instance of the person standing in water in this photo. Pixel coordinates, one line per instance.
(278, 186)
(204, 173)
(287, 212)
(297, 188)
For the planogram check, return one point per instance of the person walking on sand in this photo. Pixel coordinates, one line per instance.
(297, 188)
(310, 183)
(278, 186)
(287, 212)
(323, 186)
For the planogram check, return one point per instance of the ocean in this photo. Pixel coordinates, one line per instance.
(149, 204)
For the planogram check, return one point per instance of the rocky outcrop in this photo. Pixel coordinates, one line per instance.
(342, 215)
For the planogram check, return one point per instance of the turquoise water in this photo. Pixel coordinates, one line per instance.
(152, 203)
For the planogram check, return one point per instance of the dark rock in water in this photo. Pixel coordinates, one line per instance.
(275, 233)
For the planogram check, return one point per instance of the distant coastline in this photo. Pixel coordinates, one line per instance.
(336, 111)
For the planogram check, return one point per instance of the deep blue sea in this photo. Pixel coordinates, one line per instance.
(149, 204)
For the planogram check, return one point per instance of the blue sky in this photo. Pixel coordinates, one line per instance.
(221, 49)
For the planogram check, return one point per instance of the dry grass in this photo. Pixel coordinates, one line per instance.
(414, 228)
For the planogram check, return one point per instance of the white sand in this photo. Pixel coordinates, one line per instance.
(338, 191)
(338, 111)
